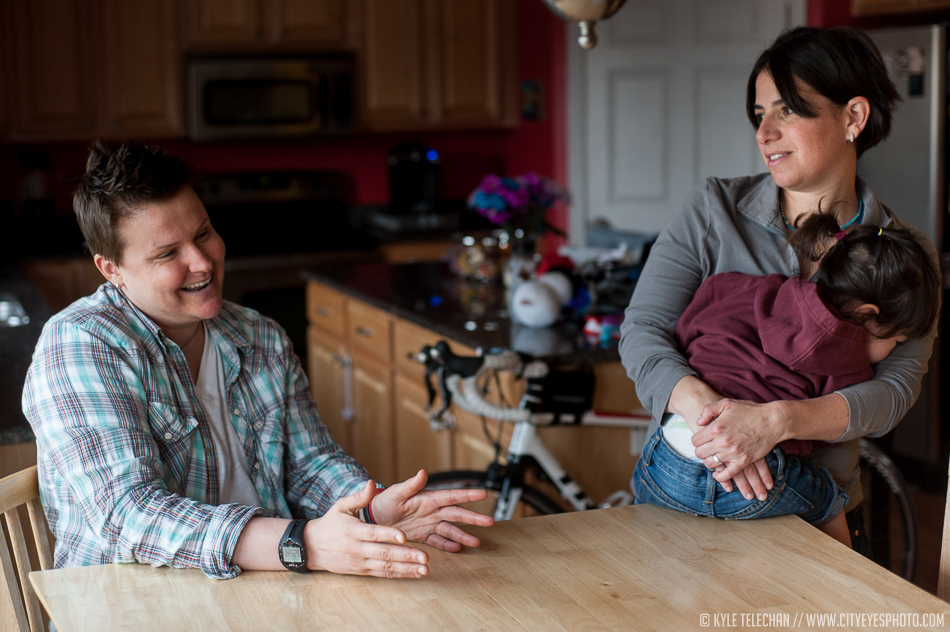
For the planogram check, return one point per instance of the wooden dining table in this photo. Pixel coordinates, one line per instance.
(625, 568)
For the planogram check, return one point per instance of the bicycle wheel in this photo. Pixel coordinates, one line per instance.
(890, 517)
(533, 501)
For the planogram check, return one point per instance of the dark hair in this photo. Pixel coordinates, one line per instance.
(119, 181)
(884, 267)
(839, 63)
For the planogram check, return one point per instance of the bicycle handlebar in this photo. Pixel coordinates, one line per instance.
(552, 395)
(469, 397)
(458, 379)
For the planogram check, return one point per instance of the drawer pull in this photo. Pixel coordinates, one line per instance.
(325, 312)
(366, 332)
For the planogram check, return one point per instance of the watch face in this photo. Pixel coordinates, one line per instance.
(290, 554)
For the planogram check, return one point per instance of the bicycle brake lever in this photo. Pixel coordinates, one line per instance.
(429, 388)
(444, 392)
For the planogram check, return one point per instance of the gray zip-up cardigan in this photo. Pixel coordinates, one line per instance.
(734, 225)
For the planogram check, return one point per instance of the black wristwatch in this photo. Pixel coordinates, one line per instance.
(291, 550)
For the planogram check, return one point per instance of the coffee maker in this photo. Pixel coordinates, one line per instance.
(414, 206)
(413, 178)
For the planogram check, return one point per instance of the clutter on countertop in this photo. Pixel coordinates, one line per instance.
(471, 313)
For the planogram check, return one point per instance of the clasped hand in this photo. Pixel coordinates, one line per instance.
(341, 543)
(739, 434)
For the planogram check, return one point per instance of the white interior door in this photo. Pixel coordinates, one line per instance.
(659, 105)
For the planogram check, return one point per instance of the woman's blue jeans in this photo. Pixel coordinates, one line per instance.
(663, 477)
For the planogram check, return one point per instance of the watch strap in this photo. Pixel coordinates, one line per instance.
(294, 533)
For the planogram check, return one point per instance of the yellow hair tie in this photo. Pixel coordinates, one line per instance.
(880, 231)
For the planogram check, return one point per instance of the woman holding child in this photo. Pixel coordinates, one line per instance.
(818, 99)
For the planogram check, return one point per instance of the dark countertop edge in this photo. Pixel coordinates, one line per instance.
(395, 310)
(593, 356)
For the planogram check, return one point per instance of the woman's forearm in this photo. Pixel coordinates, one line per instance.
(823, 418)
(688, 398)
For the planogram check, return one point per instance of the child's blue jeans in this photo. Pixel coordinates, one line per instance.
(663, 477)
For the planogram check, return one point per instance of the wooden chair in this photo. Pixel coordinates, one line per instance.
(19, 607)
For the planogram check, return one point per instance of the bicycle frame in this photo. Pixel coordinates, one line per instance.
(525, 442)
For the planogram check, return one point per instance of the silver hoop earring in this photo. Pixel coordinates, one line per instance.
(851, 140)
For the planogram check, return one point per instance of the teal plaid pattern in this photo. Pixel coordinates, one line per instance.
(127, 469)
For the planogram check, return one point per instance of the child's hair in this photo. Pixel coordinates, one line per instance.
(885, 267)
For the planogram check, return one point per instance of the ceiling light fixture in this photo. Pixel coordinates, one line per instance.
(586, 13)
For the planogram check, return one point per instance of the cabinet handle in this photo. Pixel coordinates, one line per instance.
(324, 312)
(364, 331)
(349, 412)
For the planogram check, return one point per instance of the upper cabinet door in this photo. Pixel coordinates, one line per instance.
(473, 83)
(215, 23)
(307, 23)
(267, 24)
(392, 64)
(142, 65)
(53, 95)
(80, 69)
(6, 52)
(437, 64)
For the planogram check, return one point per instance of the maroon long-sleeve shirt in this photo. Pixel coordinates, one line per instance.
(764, 338)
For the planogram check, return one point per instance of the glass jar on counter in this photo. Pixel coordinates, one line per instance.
(477, 257)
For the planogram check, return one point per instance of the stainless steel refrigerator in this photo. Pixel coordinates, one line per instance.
(908, 174)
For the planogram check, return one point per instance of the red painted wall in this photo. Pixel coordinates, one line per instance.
(838, 13)
(533, 146)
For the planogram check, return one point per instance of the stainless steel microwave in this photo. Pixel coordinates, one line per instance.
(234, 97)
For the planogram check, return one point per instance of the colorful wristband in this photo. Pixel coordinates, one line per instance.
(366, 513)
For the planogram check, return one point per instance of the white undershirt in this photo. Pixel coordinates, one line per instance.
(235, 484)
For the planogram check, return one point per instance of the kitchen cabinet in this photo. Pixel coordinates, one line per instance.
(63, 280)
(81, 69)
(267, 24)
(414, 251)
(351, 377)
(326, 358)
(437, 64)
(5, 93)
(863, 8)
(386, 425)
(418, 445)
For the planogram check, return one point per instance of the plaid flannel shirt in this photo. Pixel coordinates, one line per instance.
(127, 469)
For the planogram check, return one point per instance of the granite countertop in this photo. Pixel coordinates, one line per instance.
(470, 313)
(16, 349)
